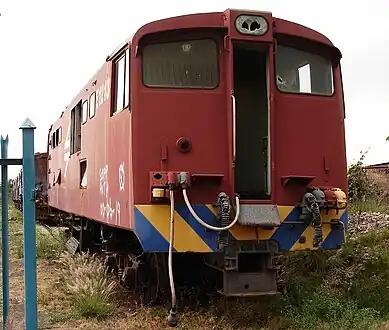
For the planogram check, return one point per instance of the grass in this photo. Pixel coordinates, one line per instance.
(324, 310)
(89, 283)
(369, 205)
(344, 289)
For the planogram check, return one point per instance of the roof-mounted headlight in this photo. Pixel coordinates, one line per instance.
(252, 25)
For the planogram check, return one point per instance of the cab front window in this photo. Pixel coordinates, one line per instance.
(181, 64)
(300, 71)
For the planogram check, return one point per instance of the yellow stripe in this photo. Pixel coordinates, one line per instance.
(185, 238)
(211, 208)
(247, 233)
(309, 231)
(265, 234)
(309, 234)
(240, 232)
(284, 211)
(332, 215)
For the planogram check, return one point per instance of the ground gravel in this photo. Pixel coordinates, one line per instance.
(365, 222)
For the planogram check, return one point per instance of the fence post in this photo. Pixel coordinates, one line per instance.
(4, 229)
(29, 237)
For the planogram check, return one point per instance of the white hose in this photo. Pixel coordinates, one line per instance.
(204, 223)
(171, 241)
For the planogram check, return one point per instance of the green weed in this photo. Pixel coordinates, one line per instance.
(89, 282)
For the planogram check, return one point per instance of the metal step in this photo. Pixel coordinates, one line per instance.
(249, 284)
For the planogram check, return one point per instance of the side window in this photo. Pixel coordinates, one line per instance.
(59, 134)
(75, 128)
(299, 71)
(83, 174)
(122, 82)
(56, 137)
(85, 112)
(127, 80)
(92, 105)
(53, 140)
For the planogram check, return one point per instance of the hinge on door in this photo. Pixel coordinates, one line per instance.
(226, 43)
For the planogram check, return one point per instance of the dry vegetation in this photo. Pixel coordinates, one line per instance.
(346, 289)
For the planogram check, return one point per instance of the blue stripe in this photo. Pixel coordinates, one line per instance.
(150, 238)
(344, 219)
(336, 237)
(288, 234)
(208, 236)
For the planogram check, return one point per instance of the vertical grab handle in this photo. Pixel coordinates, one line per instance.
(233, 128)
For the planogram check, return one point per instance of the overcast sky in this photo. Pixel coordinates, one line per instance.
(50, 49)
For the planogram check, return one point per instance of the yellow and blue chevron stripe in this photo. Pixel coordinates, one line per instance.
(152, 225)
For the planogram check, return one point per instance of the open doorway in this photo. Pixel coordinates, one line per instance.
(252, 121)
(75, 128)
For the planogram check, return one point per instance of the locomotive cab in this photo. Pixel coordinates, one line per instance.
(222, 106)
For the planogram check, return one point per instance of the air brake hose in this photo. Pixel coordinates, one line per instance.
(204, 223)
(173, 315)
(313, 207)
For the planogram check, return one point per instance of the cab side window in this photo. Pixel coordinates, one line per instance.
(299, 71)
(122, 82)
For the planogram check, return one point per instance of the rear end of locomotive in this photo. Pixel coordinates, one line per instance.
(41, 203)
(238, 128)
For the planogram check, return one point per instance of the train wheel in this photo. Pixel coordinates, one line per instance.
(147, 279)
(153, 279)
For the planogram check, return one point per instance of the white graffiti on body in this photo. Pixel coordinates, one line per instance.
(106, 209)
(121, 177)
(103, 93)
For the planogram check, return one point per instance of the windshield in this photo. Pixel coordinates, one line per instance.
(300, 71)
(181, 64)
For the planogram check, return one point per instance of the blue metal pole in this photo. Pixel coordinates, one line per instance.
(4, 232)
(29, 234)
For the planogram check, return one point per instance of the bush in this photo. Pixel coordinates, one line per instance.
(92, 287)
(360, 186)
(49, 243)
(367, 191)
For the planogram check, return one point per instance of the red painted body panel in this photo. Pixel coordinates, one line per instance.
(105, 145)
(168, 114)
(293, 29)
(218, 19)
(206, 20)
(306, 131)
(304, 140)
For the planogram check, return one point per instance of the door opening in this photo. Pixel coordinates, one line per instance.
(75, 128)
(252, 122)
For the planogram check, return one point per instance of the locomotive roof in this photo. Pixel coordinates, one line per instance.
(213, 19)
(204, 20)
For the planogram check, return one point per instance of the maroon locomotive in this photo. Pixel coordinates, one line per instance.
(229, 125)
(41, 198)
